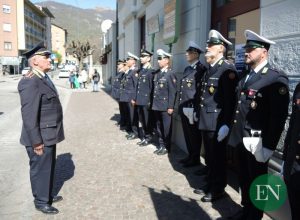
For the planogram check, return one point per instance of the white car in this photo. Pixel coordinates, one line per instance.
(63, 73)
(25, 70)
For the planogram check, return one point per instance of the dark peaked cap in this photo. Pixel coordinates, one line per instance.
(146, 53)
(39, 49)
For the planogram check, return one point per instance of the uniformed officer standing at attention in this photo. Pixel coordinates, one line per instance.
(261, 110)
(216, 106)
(115, 93)
(128, 95)
(291, 156)
(189, 84)
(143, 99)
(42, 126)
(164, 96)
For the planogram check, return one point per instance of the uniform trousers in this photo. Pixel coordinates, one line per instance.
(215, 159)
(293, 189)
(143, 116)
(249, 170)
(134, 120)
(164, 128)
(126, 113)
(42, 174)
(122, 121)
(192, 136)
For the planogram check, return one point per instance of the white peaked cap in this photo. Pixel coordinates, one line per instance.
(254, 40)
(216, 38)
(133, 56)
(162, 53)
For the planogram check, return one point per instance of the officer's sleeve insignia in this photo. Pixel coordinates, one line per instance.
(231, 76)
(282, 90)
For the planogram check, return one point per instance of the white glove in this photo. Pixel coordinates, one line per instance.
(223, 132)
(281, 168)
(263, 155)
(195, 116)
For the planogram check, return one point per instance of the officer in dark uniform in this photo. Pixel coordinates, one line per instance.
(142, 100)
(115, 93)
(261, 110)
(216, 107)
(42, 126)
(128, 95)
(163, 101)
(291, 156)
(189, 84)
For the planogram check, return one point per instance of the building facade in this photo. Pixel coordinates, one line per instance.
(8, 36)
(59, 40)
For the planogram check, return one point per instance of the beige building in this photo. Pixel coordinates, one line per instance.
(59, 40)
(8, 35)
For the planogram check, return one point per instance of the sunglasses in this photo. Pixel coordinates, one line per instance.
(144, 56)
(160, 58)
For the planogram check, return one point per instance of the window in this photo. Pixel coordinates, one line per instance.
(7, 46)
(6, 9)
(7, 27)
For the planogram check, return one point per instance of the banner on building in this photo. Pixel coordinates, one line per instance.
(240, 57)
(171, 22)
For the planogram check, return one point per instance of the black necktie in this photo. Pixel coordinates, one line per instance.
(50, 83)
(251, 74)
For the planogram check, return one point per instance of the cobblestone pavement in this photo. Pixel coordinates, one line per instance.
(101, 175)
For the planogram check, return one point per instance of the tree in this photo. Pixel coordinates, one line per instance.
(80, 50)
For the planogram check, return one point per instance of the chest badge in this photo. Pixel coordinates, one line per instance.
(161, 85)
(253, 104)
(136, 75)
(211, 89)
(189, 84)
(144, 80)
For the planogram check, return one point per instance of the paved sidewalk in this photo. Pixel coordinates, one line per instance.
(101, 175)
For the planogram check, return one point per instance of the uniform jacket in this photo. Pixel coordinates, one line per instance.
(116, 85)
(262, 105)
(129, 84)
(291, 152)
(144, 86)
(41, 112)
(217, 96)
(164, 93)
(189, 85)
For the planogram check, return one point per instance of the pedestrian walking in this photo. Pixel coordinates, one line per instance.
(164, 96)
(42, 127)
(261, 111)
(96, 79)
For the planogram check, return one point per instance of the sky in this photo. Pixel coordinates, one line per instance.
(86, 3)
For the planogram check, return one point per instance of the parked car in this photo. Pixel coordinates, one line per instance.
(63, 73)
(25, 70)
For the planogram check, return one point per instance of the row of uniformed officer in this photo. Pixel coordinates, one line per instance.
(216, 103)
(188, 91)
(261, 110)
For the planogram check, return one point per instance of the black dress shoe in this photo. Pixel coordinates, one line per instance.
(57, 198)
(140, 142)
(212, 196)
(184, 160)
(162, 151)
(191, 163)
(47, 209)
(202, 172)
(145, 143)
(132, 137)
(157, 150)
(201, 191)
